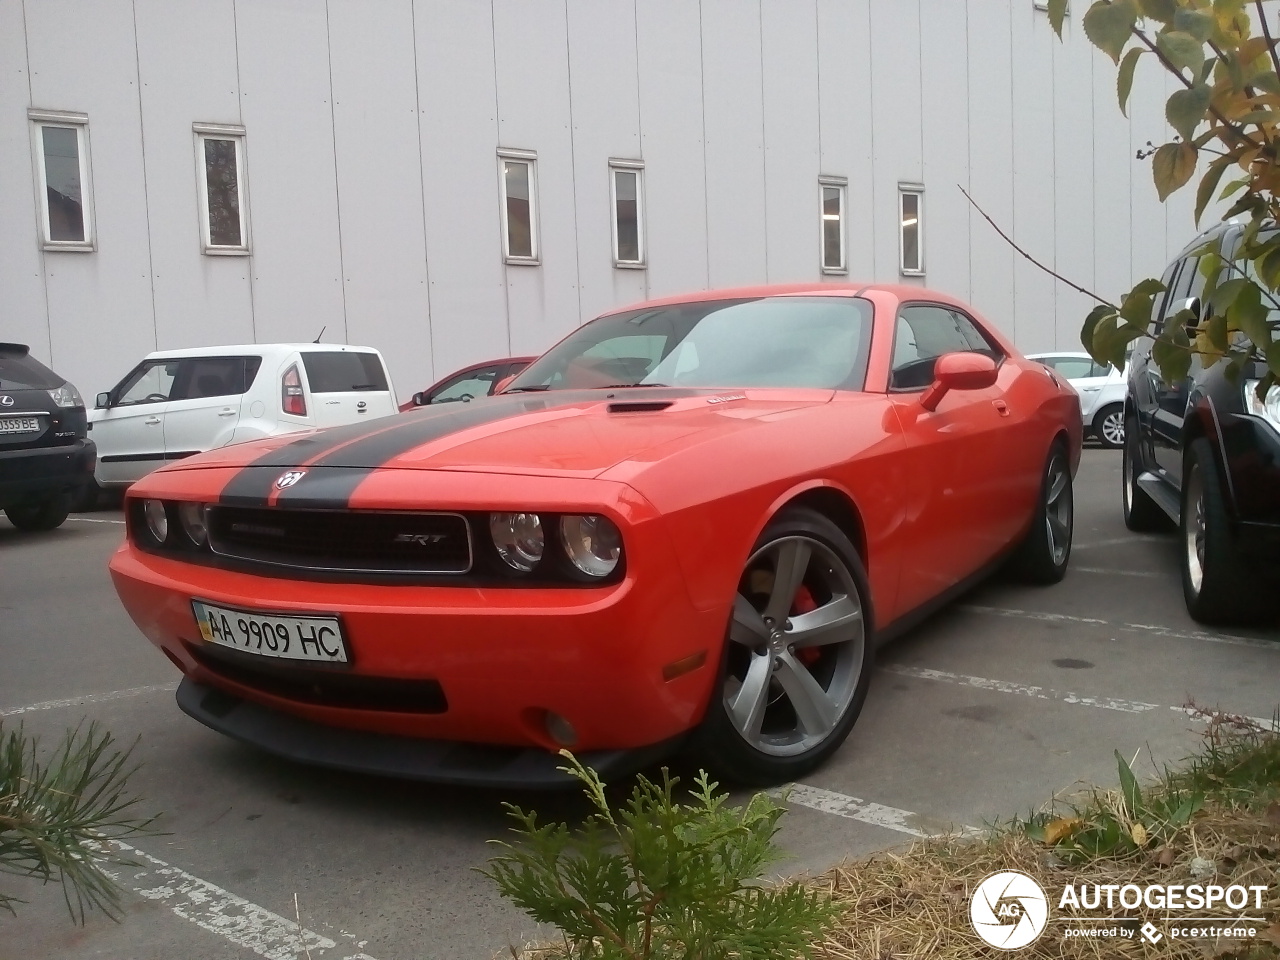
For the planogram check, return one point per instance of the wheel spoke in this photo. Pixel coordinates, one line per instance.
(747, 626)
(1059, 531)
(1056, 485)
(746, 707)
(792, 562)
(814, 709)
(834, 622)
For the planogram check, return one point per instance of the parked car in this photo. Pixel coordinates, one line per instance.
(477, 380)
(177, 403)
(1204, 454)
(1101, 388)
(690, 522)
(45, 453)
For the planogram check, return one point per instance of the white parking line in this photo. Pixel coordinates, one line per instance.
(1151, 629)
(93, 520)
(1044, 693)
(891, 818)
(89, 698)
(1117, 573)
(234, 918)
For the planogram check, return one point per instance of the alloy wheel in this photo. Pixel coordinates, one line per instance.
(1195, 528)
(797, 641)
(1112, 428)
(1058, 509)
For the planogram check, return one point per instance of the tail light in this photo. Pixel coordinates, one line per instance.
(291, 396)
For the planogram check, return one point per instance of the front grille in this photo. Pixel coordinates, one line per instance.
(320, 686)
(346, 541)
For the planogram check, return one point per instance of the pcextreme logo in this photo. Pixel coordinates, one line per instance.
(1009, 910)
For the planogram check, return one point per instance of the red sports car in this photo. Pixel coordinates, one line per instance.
(688, 524)
(477, 380)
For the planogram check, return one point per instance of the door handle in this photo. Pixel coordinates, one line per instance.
(227, 412)
(152, 420)
(1001, 407)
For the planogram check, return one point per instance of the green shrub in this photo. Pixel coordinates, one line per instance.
(659, 879)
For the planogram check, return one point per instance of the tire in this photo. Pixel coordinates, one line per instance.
(39, 514)
(1109, 426)
(1141, 513)
(1043, 555)
(778, 710)
(1217, 587)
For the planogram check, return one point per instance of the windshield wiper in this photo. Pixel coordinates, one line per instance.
(619, 386)
(531, 388)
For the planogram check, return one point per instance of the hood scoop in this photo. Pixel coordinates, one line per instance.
(639, 406)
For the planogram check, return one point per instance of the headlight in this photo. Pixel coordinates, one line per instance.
(592, 543)
(1268, 409)
(66, 396)
(157, 519)
(192, 517)
(518, 539)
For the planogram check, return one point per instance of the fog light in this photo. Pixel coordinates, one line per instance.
(561, 730)
(157, 519)
(192, 517)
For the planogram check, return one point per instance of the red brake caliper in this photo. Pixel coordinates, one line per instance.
(803, 603)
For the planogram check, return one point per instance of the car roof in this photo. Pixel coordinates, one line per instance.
(900, 291)
(255, 349)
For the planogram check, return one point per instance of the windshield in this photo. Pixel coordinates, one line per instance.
(20, 371)
(818, 342)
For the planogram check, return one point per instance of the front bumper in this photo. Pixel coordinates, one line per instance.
(502, 658)
(40, 471)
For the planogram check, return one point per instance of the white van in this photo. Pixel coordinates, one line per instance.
(176, 403)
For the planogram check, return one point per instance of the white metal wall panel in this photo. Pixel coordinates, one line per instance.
(669, 59)
(789, 35)
(24, 316)
(187, 61)
(1147, 254)
(1033, 167)
(844, 97)
(530, 38)
(606, 123)
(990, 43)
(100, 306)
(1074, 147)
(896, 124)
(372, 59)
(731, 85)
(293, 222)
(1112, 211)
(458, 137)
(944, 72)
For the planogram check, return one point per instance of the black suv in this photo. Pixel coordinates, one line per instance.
(45, 455)
(1204, 454)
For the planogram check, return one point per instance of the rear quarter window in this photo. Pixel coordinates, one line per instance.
(20, 371)
(344, 372)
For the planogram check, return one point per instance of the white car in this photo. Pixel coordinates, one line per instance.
(176, 403)
(1101, 390)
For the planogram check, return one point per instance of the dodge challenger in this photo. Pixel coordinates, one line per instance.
(686, 526)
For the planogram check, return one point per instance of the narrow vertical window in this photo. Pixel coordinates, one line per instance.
(628, 227)
(832, 198)
(221, 180)
(61, 144)
(911, 246)
(518, 178)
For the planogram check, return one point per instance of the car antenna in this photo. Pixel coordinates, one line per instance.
(321, 333)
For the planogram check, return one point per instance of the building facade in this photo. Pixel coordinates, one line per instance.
(453, 180)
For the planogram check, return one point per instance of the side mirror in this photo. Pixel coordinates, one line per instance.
(420, 399)
(503, 383)
(103, 401)
(958, 371)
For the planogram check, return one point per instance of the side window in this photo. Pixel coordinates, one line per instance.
(1157, 308)
(212, 377)
(1075, 368)
(151, 383)
(476, 383)
(925, 332)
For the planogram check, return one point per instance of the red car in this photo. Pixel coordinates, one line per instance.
(688, 524)
(477, 380)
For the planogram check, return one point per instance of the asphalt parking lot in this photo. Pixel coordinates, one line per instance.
(988, 709)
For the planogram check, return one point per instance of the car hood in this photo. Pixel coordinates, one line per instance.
(556, 434)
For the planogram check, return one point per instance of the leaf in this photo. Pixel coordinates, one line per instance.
(1109, 23)
(1172, 167)
(1225, 294)
(1124, 79)
(1209, 183)
(1136, 306)
(1195, 23)
(1129, 786)
(1171, 351)
(1234, 186)
(1162, 10)
(1182, 50)
(1139, 835)
(1249, 316)
(1089, 331)
(1057, 14)
(1186, 108)
(1063, 827)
